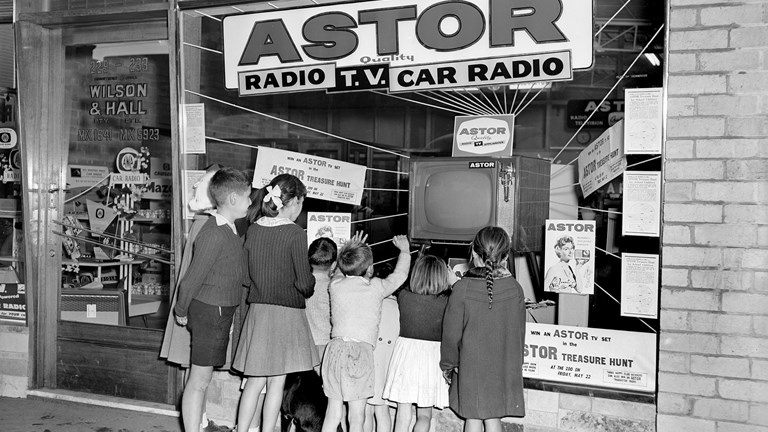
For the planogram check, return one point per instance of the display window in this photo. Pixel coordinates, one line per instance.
(116, 224)
(561, 144)
(13, 296)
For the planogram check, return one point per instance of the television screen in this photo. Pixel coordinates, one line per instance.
(449, 201)
(457, 200)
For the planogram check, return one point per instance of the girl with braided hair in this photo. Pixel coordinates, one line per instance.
(481, 353)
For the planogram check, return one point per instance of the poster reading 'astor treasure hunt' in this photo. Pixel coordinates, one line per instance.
(326, 179)
(591, 356)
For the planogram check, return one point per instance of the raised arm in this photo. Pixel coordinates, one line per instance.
(400, 273)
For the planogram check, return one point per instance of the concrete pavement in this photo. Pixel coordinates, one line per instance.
(65, 414)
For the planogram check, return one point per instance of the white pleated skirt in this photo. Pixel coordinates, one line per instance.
(414, 374)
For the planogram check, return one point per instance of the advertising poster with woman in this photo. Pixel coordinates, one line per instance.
(569, 256)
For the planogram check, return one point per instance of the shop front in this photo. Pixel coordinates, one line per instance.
(559, 116)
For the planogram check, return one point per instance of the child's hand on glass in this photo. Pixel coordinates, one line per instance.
(401, 242)
(358, 239)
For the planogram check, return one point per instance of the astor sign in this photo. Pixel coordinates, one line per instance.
(402, 33)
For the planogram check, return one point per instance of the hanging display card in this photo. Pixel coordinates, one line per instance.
(326, 179)
(642, 118)
(602, 160)
(590, 356)
(194, 128)
(642, 198)
(191, 177)
(569, 256)
(85, 175)
(483, 135)
(639, 285)
(335, 226)
(99, 215)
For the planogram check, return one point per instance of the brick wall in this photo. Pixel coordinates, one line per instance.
(713, 359)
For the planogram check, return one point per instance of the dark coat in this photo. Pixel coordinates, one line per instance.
(176, 340)
(486, 345)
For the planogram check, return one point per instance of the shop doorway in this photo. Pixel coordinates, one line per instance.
(104, 258)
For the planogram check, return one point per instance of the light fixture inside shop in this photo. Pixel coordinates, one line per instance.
(653, 59)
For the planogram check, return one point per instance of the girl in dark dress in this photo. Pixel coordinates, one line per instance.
(481, 354)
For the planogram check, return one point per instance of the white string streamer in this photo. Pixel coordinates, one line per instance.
(295, 124)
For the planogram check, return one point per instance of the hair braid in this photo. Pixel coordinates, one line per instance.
(492, 245)
(489, 266)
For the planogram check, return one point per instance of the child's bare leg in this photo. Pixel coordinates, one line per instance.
(492, 425)
(369, 418)
(249, 400)
(356, 415)
(403, 417)
(256, 421)
(383, 420)
(333, 415)
(423, 419)
(473, 425)
(193, 399)
(272, 402)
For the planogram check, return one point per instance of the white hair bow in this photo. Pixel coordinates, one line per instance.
(274, 193)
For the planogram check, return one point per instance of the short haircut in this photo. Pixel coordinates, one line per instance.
(226, 181)
(354, 260)
(322, 252)
(429, 275)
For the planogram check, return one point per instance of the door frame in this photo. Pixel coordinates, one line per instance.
(41, 39)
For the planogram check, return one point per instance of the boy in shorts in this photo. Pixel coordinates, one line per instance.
(322, 257)
(212, 287)
(356, 299)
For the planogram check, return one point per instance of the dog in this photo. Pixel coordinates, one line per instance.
(304, 403)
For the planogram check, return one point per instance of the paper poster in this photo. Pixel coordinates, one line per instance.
(85, 175)
(13, 302)
(569, 251)
(160, 188)
(99, 215)
(194, 128)
(591, 356)
(335, 226)
(483, 135)
(602, 160)
(642, 120)
(326, 179)
(642, 201)
(191, 177)
(639, 285)
(160, 168)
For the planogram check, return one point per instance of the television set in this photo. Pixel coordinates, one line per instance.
(450, 199)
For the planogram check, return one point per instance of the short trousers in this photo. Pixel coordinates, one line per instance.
(347, 370)
(209, 327)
